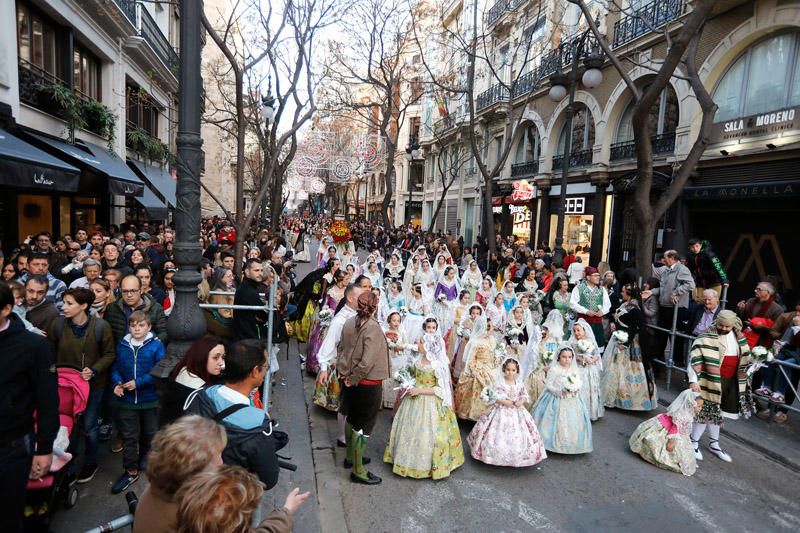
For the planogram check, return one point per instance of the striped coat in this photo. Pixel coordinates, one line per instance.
(706, 359)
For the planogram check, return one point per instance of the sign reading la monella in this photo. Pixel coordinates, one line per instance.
(763, 124)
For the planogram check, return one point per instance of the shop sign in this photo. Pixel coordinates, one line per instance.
(497, 209)
(734, 192)
(520, 220)
(772, 123)
(415, 205)
(575, 206)
(522, 191)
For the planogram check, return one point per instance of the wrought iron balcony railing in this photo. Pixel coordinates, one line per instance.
(527, 169)
(497, 10)
(580, 158)
(128, 7)
(662, 144)
(496, 93)
(650, 17)
(150, 32)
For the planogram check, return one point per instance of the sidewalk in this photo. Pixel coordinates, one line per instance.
(779, 442)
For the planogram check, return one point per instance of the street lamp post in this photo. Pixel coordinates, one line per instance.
(561, 86)
(268, 112)
(186, 322)
(412, 152)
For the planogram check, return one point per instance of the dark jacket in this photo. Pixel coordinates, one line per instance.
(218, 325)
(698, 315)
(135, 363)
(28, 383)
(706, 267)
(117, 318)
(43, 315)
(85, 351)
(249, 324)
(250, 444)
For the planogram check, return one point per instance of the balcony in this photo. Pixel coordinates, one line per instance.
(497, 10)
(151, 33)
(497, 93)
(128, 7)
(662, 144)
(446, 124)
(32, 79)
(581, 158)
(525, 170)
(647, 19)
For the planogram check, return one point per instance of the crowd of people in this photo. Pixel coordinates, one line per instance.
(532, 344)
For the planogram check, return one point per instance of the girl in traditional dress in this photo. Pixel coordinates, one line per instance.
(471, 279)
(464, 331)
(624, 382)
(408, 277)
(542, 348)
(426, 277)
(560, 414)
(322, 250)
(332, 254)
(398, 357)
(394, 299)
(448, 285)
(506, 435)
(559, 300)
(509, 296)
(374, 275)
(394, 270)
(496, 314)
(528, 285)
(480, 369)
(425, 441)
(418, 309)
(330, 300)
(440, 265)
(664, 439)
(485, 295)
(452, 338)
(516, 332)
(382, 311)
(590, 367)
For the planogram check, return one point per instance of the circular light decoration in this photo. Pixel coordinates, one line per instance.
(316, 186)
(342, 169)
(592, 78)
(305, 166)
(315, 147)
(558, 93)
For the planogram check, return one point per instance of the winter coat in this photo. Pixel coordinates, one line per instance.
(135, 363)
(118, 319)
(87, 351)
(706, 267)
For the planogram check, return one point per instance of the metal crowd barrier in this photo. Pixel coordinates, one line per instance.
(669, 361)
(269, 308)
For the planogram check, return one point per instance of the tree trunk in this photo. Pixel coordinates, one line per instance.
(645, 236)
(438, 208)
(387, 198)
(241, 132)
(276, 200)
(487, 209)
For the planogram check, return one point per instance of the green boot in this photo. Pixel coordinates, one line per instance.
(359, 474)
(348, 440)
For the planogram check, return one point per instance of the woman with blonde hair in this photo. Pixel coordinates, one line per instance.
(225, 502)
(190, 445)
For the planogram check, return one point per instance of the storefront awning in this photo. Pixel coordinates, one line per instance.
(86, 155)
(155, 208)
(24, 165)
(158, 177)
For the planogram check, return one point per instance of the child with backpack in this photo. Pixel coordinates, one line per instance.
(137, 402)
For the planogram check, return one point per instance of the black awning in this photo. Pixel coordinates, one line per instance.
(155, 208)
(121, 179)
(158, 177)
(24, 165)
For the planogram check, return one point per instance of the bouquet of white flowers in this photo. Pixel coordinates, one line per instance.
(325, 316)
(412, 348)
(538, 296)
(487, 395)
(584, 346)
(462, 331)
(403, 311)
(760, 356)
(500, 350)
(442, 297)
(572, 383)
(547, 358)
(405, 378)
(620, 336)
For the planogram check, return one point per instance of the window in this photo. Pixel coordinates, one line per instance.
(141, 110)
(37, 42)
(528, 146)
(413, 129)
(582, 131)
(762, 79)
(663, 116)
(85, 72)
(535, 32)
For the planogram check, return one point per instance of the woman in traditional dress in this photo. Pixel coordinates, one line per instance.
(541, 351)
(394, 270)
(322, 249)
(509, 295)
(528, 285)
(331, 254)
(485, 295)
(373, 274)
(471, 279)
(302, 248)
(426, 277)
(425, 441)
(408, 277)
(480, 369)
(464, 332)
(440, 265)
(506, 435)
(624, 379)
(496, 314)
(448, 285)
(452, 338)
(398, 357)
(559, 299)
(516, 333)
(394, 298)
(332, 293)
(308, 295)
(418, 309)
(590, 367)
(560, 414)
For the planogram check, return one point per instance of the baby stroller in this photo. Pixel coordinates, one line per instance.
(57, 487)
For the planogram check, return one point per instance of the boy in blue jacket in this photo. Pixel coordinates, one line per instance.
(137, 402)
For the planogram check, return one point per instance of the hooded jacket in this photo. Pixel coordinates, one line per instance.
(250, 444)
(135, 363)
(706, 267)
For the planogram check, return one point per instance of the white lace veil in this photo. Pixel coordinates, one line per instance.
(500, 376)
(465, 316)
(478, 333)
(589, 334)
(436, 354)
(682, 410)
(555, 363)
(555, 325)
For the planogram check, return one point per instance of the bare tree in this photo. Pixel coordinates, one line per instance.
(263, 47)
(681, 50)
(449, 163)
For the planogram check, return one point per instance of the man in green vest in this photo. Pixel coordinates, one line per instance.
(590, 302)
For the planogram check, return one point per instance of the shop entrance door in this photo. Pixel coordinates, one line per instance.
(35, 214)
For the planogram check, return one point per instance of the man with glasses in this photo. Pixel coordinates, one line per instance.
(132, 300)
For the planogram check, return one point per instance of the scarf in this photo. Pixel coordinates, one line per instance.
(762, 308)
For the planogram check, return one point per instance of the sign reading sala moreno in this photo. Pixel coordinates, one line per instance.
(763, 124)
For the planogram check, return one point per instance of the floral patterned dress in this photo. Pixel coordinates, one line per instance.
(480, 372)
(397, 357)
(650, 442)
(318, 333)
(507, 436)
(425, 441)
(562, 417)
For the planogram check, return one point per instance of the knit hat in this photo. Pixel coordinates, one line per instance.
(591, 270)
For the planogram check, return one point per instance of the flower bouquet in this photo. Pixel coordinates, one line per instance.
(340, 232)
(403, 311)
(620, 336)
(405, 378)
(442, 297)
(547, 358)
(487, 395)
(584, 346)
(391, 339)
(760, 356)
(572, 383)
(325, 316)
